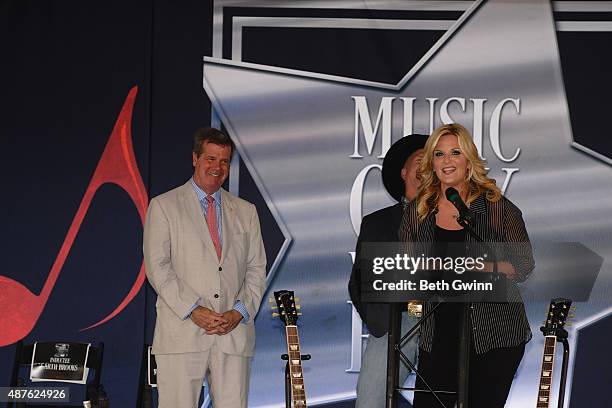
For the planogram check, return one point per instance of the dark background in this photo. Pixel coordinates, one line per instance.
(66, 69)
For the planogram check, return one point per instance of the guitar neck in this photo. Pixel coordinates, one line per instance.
(546, 373)
(298, 392)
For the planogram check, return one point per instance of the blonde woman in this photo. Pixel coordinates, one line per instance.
(499, 330)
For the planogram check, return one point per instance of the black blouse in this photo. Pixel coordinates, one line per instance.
(494, 325)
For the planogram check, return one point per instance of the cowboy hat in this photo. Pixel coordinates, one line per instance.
(394, 161)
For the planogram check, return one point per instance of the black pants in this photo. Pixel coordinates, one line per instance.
(490, 375)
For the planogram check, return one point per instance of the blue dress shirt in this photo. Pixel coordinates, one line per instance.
(204, 203)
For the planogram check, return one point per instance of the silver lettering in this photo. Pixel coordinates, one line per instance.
(363, 121)
(494, 129)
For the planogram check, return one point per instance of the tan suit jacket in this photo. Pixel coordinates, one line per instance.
(183, 268)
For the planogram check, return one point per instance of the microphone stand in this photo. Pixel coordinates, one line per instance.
(394, 345)
(466, 336)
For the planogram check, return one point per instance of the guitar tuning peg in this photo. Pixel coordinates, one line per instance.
(273, 307)
(275, 314)
(270, 300)
(299, 314)
(569, 324)
(571, 315)
(297, 299)
(298, 307)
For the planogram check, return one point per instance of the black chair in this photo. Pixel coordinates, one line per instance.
(93, 388)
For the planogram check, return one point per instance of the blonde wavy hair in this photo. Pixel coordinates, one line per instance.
(477, 180)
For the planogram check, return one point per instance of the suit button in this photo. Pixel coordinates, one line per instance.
(220, 269)
(216, 296)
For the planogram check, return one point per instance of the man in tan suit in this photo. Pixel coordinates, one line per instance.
(205, 258)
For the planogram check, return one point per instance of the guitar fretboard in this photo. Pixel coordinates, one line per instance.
(546, 374)
(298, 393)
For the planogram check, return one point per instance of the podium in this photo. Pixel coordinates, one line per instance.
(395, 354)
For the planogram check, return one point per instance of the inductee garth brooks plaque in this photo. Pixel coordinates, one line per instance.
(61, 362)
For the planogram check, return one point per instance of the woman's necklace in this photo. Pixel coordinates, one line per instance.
(452, 213)
(447, 216)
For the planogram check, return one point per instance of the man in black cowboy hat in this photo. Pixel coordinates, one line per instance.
(400, 177)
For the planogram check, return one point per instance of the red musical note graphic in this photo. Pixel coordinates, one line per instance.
(20, 307)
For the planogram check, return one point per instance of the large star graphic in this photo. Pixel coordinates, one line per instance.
(295, 132)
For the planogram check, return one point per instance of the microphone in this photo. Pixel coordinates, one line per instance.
(465, 214)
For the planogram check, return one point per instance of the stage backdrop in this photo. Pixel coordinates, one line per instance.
(99, 104)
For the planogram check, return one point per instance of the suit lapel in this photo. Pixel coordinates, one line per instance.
(228, 220)
(419, 234)
(194, 211)
(426, 233)
(481, 213)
